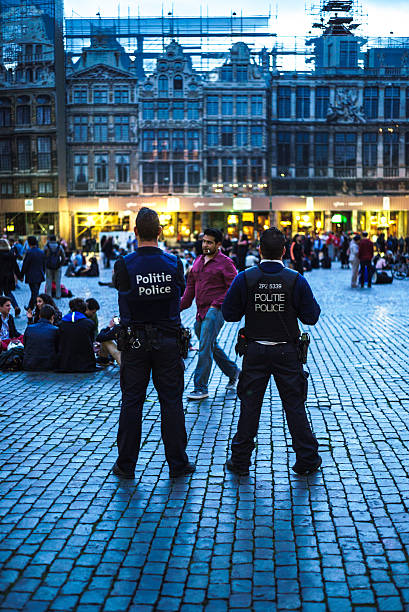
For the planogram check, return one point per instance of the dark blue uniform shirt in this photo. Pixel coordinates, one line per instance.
(304, 303)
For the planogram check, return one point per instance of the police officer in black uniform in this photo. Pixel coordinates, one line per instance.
(150, 283)
(272, 298)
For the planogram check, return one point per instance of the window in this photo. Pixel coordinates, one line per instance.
(256, 106)
(302, 152)
(212, 170)
(163, 110)
(100, 96)
(370, 153)
(212, 105)
(407, 103)
(348, 54)
(6, 189)
(321, 153)
(284, 102)
(242, 74)
(193, 175)
(163, 86)
(192, 109)
(45, 188)
(283, 150)
(212, 136)
(178, 143)
(321, 102)
(227, 74)
(121, 96)
(302, 102)
(5, 112)
(43, 113)
(392, 102)
(5, 154)
(227, 135)
(163, 177)
(101, 128)
(23, 114)
(24, 189)
(242, 136)
(81, 168)
(371, 102)
(256, 168)
(227, 105)
(390, 150)
(23, 153)
(121, 127)
(122, 168)
(163, 144)
(241, 169)
(101, 169)
(80, 128)
(407, 149)
(193, 144)
(178, 177)
(147, 110)
(227, 170)
(345, 150)
(148, 177)
(80, 96)
(44, 153)
(148, 142)
(178, 111)
(256, 135)
(241, 106)
(178, 86)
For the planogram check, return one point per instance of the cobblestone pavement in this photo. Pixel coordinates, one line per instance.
(73, 537)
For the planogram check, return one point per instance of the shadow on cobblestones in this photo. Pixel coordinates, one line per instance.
(73, 537)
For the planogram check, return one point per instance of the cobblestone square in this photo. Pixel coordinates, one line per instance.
(74, 537)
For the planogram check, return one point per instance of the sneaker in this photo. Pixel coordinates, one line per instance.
(185, 471)
(118, 472)
(232, 384)
(197, 395)
(306, 470)
(232, 467)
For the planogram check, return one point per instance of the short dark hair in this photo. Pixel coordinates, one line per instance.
(147, 223)
(52, 237)
(364, 234)
(214, 233)
(92, 304)
(46, 312)
(4, 299)
(32, 240)
(77, 305)
(272, 243)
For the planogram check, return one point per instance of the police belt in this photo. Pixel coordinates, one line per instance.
(148, 337)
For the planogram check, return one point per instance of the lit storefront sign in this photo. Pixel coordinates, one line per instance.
(386, 203)
(309, 205)
(103, 204)
(241, 203)
(29, 205)
(173, 204)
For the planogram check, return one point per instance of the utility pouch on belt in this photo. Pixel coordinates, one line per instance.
(303, 344)
(242, 342)
(184, 336)
(127, 339)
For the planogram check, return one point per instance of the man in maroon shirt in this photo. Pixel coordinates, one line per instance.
(365, 255)
(208, 282)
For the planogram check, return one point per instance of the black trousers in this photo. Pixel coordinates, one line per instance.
(365, 263)
(35, 290)
(167, 370)
(282, 362)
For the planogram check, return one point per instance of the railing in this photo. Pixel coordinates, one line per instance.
(344, 172)
(391, 172)
(369, 171)
(301, 171)
(81, 186)
(103, 185)
(322, 171)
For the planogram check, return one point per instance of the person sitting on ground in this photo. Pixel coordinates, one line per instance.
(41, 342)
(92, 269)
(75, 265)
(76, 351)
(91, 312)
(7, 326)
(108, 350)
(42, 299)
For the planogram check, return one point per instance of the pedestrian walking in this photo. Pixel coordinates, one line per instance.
(150, 283)
(365, 254)
(297, 254)
(54, 260)
(272, 298)
(33, 269)
(208, 281)
(9, 271)
(354, 259)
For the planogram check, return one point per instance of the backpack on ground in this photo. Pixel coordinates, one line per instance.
(53, 260)
(12, 360)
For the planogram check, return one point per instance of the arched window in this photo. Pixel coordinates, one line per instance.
(178, 86)
(43, 113)
(29, 75)
(163, 86)
(5, 112)
(23, 111)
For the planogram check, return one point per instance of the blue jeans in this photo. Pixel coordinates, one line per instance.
(207, 332)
